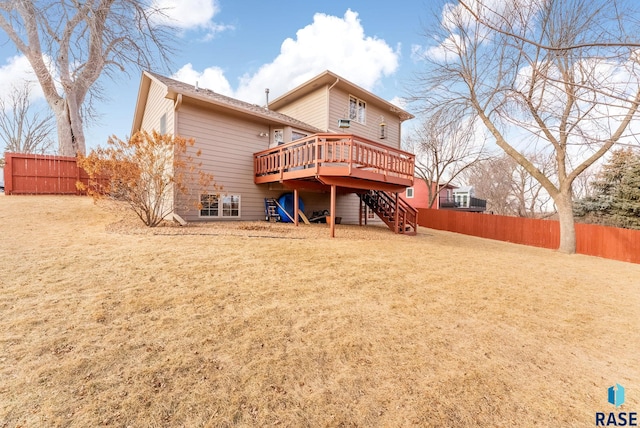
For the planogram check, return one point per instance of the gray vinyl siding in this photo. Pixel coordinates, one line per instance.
(347, 207)
(227, 144)
(339, 109)
(311, 109)
(156, 106)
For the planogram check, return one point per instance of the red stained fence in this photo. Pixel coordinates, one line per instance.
(26, 174)
(593, 240)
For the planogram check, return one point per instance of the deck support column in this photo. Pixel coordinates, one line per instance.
(360, 212)
(332, 214)
(295, 207)
(397, 216)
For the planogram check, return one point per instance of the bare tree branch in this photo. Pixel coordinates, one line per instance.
(76, 43)
(562, 77)
(22, 129)
(445, 146)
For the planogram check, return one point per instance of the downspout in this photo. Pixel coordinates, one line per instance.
(176, 106)
(328, 98)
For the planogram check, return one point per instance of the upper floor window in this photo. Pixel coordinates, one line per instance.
(278, 136)
(357, 110)
(296, 135)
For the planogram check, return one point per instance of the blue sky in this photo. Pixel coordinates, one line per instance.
(241, 47)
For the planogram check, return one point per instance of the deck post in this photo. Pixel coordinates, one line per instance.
(397, 216)
(332, 216)
(360, 213)
(295, 206)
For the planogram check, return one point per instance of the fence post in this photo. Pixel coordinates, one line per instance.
(8, 173)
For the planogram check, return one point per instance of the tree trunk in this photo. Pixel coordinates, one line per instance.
(70, 138)
(564, 204)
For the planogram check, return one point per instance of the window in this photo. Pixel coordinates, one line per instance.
(357, 110)
(208, 206)
(223, 206)
(278, 136)
(296, 135)
(409, 192)
(231, 206)
(163, 124)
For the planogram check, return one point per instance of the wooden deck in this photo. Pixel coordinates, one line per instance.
(342, 160)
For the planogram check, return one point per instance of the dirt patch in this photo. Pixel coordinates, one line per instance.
(107, 323)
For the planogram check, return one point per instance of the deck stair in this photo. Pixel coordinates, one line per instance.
(384, 205)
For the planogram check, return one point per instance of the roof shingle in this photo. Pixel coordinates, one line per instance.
(212, 97)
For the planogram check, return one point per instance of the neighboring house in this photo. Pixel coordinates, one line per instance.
(329, 141)
(464, 200)
(449, 197)
(418, 195)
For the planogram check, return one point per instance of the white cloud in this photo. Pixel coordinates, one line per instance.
(399, 102)
(211, 78)
(329, 43)
(190, 15)
(15, 74)
(457, 18)
(446, 50)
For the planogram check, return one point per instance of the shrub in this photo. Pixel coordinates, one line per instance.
(148, 171)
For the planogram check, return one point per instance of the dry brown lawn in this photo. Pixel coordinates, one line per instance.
(104, 323)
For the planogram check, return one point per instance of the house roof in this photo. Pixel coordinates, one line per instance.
(328, 78)
(175, 88)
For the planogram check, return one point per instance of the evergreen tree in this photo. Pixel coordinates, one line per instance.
(616, 197)
(626, 206)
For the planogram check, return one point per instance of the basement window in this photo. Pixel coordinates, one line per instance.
(212, 206)
(209, 206)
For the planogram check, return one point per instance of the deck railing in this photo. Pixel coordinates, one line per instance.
(471, 204)
(316, 151)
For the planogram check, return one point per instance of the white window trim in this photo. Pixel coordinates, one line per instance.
(221, 215)
(357, 113)
(278, 137)
(409, 190)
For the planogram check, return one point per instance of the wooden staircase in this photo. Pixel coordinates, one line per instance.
(402, 218)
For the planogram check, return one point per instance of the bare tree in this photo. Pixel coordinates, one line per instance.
(508, 188)
(445, 145)
(75, 43)
(560, 77)
(23, 129)
(493, 179)
(532, 199)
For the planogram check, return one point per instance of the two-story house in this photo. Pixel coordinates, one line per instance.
(333, 144)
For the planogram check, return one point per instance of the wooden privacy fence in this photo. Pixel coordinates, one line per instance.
(593, 240)
(41, 175)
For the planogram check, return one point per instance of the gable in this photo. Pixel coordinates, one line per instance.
(177, 92)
